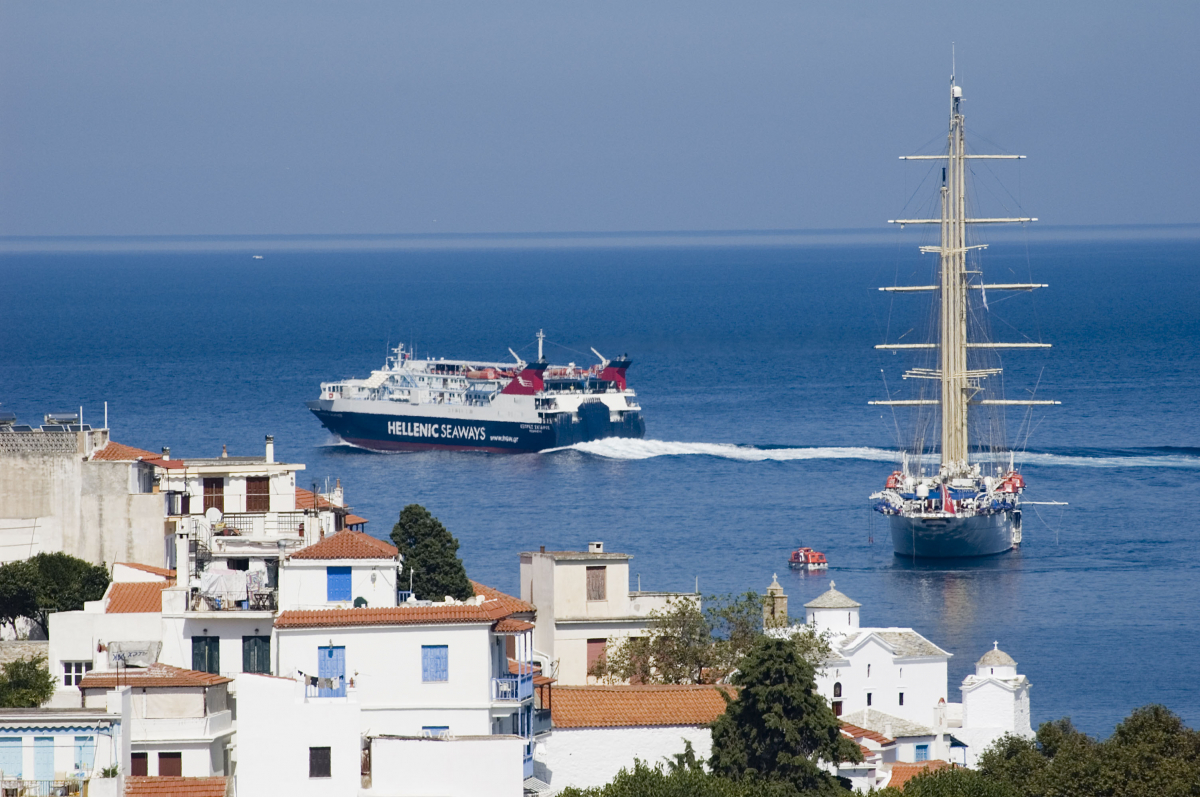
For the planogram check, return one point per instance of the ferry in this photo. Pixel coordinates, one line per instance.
(807, 559)
(468, 405)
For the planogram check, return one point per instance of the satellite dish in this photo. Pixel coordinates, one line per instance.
(213, 515)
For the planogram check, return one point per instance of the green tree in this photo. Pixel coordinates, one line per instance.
(1151, 753)
(26, 683)
(955, 782)
(677, 779)
(431, 555)
(778, 728)
(18, 592)
(63, 584)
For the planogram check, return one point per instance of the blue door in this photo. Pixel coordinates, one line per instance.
(85, 753)
(43, 758)
(337, 584)
(331, 670)
(10, 756)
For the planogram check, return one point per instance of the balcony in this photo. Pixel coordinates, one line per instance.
(541, 721)
(266, 600)
(514, 688)
(18, 787)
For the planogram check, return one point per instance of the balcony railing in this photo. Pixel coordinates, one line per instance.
(15, 787)
(541, 721)
(512, 687)
(249, 601)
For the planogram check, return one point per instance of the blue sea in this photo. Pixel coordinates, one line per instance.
(754, 363)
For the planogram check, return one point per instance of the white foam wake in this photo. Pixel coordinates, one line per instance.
(625, 448)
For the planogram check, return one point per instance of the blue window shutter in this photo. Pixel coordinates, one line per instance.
(85, 753)
(435, 663)
(43, 757)
(338, 582)
(11, 756)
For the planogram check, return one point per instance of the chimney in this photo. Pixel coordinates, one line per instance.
(224, 451)
(270, 448)
(166, 453)
(543, 549)
(338, 496)
(595, 547)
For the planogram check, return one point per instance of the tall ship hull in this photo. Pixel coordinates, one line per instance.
(962, 498)
(954, 538)
(468, 405)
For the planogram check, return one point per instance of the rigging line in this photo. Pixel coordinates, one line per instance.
(568, 348)
(1001, 183)
(895, 423)
(1044, 523)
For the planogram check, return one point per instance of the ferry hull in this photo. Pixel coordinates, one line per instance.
(380, 432)
(954, 537)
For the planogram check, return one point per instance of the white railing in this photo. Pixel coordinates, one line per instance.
(512, 687)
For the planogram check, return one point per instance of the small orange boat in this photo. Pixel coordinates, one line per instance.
(807, 559)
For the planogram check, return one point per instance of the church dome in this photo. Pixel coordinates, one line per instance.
(996, 658)
(832, 599)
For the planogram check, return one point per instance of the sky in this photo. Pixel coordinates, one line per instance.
(297, 118)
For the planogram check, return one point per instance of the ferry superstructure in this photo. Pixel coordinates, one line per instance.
(958, 508)
(416, 404)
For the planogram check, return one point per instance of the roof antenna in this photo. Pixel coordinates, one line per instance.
(953, 68)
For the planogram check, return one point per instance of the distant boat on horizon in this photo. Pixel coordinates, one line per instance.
(959, 508)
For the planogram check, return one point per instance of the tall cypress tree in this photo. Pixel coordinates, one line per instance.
(778, 728)
(431, 556)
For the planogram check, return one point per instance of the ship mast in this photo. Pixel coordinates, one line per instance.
(954, 383)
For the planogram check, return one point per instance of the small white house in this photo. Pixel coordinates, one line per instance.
(598, 730)
(66, 745)
(583, 604)
(995, 703)
(344, 570)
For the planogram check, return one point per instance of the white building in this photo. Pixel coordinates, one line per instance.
(583, 604)
(598, 730)
(995, 703)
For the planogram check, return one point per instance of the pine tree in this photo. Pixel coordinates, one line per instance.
(779, 728)
(431, 556)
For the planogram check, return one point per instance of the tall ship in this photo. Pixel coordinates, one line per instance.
(469, 405)
(963, 498)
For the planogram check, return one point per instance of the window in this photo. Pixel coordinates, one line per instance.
(318, 762)
(837, 689)
(214, 494)
(73, 672)
(138, 765)
(331, 671)
(902, 698)
(837, 708)
(238, 564)
(170, 765)
(85, 753)
(597, 583)
(435, 730)
(256, 654)
(922, 752)
(11, 756)
(206, 654)
(868, 670)
(258, 494)
(337, 581)
(595, 651)
(868, 698)
(435, 663)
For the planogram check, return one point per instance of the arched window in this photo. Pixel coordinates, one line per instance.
(837, 689)
(868, 670)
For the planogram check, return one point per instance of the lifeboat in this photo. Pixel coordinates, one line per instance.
(895, 480)
(807, 559)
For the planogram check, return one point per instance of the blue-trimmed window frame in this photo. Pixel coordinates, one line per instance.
(435, 663)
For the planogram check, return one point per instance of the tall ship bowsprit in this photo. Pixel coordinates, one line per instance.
(969, 503)
(415, 404)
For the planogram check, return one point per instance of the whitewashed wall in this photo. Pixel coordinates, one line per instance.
(178, 630)
(476, 766)
(586, 757)
(303, 583)
(276, 727)
(923, 682)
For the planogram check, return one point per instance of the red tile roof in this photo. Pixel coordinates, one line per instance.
(855, 732)
(116, 452)
(348, 545)
(307, 499)
(139, 786)
(902, 773)
(155, 675)
(133, 597)
(513, 605)
(355, 520)
(629, 706)
(158, 571)
(400, 615)
(510, 626)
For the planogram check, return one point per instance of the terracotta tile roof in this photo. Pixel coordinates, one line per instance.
(401, 615)
(139, 786)
(628, 706)
(307, 499)
(510, 626)
(855, 732)
(130, 597)
(513, 605)
(155, 675)
(355, 520)
(158, 571)
(902, 773)
(116, 452)
(348, 545)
